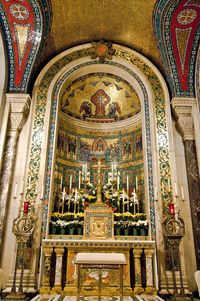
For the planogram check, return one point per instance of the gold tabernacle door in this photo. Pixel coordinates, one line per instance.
(99, 222)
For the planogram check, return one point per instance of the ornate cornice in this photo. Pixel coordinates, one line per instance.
(19, 109)
(182, 110)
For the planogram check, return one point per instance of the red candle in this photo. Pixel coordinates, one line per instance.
(25, 207)
(171, 208)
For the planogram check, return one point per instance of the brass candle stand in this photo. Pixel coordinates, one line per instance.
(23, 226)
(174, 230)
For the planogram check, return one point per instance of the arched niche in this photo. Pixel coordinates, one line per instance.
(155, 120)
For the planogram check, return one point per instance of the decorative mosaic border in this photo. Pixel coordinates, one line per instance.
(162, 26)
(162, 136)
(37, 26)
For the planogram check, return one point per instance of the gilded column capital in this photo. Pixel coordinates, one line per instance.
(137, 252)
(182, 109)
(19, 109)
(149, 252)
(47, 251)
(59, 251)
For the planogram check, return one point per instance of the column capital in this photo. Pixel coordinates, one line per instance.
(19, 109)
(137, 252)
(182, 109)
(47, 251)
(59, 251)
(149, 252)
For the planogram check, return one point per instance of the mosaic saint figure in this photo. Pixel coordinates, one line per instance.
(138, 144)
(87, 108)
(60, 142)
(100, 99)
(113, 108)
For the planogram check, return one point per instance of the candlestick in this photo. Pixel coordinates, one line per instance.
(123, 197)
(70, 181)
(127, 184)
(182, 193)
(79, 180)
(61, 181)
(118, 180)
(136, 183)
(175, 189)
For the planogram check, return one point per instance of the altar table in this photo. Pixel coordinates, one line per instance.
(100, 261)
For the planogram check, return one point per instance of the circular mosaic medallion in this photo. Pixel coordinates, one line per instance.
(186, 16)
(19, 11)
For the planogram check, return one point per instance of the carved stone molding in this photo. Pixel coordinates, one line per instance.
(182, 110)
(19, 109)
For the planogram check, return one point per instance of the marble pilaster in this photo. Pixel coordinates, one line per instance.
(149, 270)
(45, 288)
(18, 111)
(138, 282)
(58, 276)
(184, 113)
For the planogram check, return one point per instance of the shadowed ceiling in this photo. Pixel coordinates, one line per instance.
(125, 22)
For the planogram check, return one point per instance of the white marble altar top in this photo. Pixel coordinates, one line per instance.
(100, 258)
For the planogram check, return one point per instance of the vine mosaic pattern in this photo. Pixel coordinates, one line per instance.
(162, 135)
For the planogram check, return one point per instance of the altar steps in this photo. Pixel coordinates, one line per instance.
(94, 298)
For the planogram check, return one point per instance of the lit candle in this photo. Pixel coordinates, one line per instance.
(127, 183)
(79, 180)
(123, 197)
(15, 193)
(175, 189)
(171, 208)
(26, 207)
(182, 193)
(136, 183)
(118, 180)
(61, 181)
(70, 181)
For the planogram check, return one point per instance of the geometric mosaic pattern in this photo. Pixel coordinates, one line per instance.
(176, 24)
(24, 25)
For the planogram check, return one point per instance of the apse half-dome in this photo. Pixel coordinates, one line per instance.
(99, 97)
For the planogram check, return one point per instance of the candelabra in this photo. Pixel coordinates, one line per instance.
(22, 228)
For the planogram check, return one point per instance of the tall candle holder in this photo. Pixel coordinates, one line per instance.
(174, 230)
(23, 226)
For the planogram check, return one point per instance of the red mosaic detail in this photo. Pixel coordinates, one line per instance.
(102, 50)
(22, 15)
(100, 99)
(185, 17)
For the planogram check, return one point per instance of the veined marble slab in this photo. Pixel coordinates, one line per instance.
(147, 298)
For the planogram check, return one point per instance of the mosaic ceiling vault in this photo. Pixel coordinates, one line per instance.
(100, 97)
(143, 25)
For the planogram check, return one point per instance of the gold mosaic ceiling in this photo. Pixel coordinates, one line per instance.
(126, 22)
(100, 97)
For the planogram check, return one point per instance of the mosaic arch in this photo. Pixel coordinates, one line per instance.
(25, 25)
(129, 59)
(176, 24)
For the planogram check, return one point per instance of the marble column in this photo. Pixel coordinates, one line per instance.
(137, 260)
(18, 111)
(149, 270)
(184, 113)
(45, 288)
(58, 276)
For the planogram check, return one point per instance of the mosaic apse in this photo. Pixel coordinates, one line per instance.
(100, 97)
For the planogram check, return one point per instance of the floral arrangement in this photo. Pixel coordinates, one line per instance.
(109, 197)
